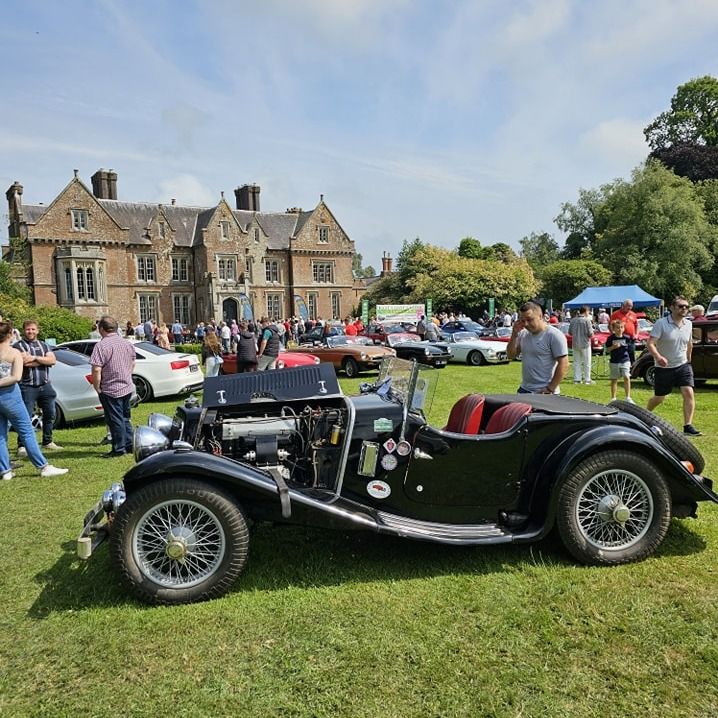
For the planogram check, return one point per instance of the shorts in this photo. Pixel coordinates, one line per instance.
(619, 371)
(666, 379)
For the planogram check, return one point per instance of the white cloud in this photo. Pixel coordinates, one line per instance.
(616, 141)
(187, 190)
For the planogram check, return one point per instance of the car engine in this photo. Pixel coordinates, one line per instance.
(303, 442)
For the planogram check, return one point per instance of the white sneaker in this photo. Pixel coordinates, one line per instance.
(50, 470)
(8, 475)
(21, 451)
(629, 400)
(52, 446)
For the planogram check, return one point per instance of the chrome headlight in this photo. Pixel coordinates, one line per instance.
(427, 351)
(362, 356)
(491, 352)
(161, 423)
(147, 441)
(317, 360)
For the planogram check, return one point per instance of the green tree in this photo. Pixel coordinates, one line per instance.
(471, 248)
(564, 279)
(656, 233)
(579, 220)
(360, 271)
(8, 286)
(501, 252)
(692, 119)
(539, 249)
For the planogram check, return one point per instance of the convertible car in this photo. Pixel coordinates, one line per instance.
(409, 346)
(288, 446)
(348, 354)
(469, 348)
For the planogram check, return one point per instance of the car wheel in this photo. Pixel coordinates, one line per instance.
(143, 389)
(615, 507)
(649, 376)
(59, 418)
(351, 368)
(669, 435)
(179, 541)
(476, 358)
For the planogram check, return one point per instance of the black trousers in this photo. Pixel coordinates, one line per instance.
(44, 396)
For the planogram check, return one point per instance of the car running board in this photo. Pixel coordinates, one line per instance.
(486, 533)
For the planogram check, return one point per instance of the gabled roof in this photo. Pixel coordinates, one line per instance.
(32, 212)
(278, 226)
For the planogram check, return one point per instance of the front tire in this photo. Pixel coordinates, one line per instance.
(476, 358)
(142, 389)
(351, 368)
(179, 541)
(615, 507)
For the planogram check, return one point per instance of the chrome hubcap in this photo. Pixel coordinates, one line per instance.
(614, 510)
(179, 543)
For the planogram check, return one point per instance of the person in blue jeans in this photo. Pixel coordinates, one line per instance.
(13, 410)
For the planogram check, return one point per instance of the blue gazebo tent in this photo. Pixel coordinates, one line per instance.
(613, 297)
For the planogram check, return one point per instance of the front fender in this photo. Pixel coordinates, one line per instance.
(569, 453)
(198, 465)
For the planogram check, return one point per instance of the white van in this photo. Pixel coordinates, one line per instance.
(713, 306)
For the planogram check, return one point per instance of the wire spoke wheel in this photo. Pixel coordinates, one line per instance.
(180, 540)
(178, 543)
(615, 509)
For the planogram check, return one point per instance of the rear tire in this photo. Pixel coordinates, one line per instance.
(670, 436)
(142, 388)
(351, 368)
(615, 507)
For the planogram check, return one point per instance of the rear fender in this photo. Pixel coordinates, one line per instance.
(573, 450)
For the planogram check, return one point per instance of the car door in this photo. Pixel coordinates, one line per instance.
(466, 470)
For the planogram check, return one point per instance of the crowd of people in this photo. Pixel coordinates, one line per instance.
(26, 362)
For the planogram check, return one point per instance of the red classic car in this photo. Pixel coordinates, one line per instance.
(286, 360)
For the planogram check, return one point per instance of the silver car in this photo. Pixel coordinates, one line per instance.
(77, 399)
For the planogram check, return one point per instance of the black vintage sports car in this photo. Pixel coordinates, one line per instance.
(288, 446)
(410, 346)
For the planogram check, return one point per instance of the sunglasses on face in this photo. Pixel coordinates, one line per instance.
(681, 306)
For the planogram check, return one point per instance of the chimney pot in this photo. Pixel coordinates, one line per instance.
(77, 172)
(174, 201)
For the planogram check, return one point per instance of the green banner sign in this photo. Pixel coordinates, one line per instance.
(492, 307)
(429, 308)
(365, 311)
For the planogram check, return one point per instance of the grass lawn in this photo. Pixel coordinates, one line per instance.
(351, 624)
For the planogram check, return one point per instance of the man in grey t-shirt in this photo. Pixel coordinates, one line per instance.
(671, 346)
(543, 349)
(581, 330)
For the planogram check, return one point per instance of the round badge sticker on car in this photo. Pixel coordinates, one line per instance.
(378, 489)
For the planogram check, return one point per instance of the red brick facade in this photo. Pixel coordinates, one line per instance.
(96, 255)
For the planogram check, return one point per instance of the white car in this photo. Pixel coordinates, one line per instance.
(467, 347)
(158, 372)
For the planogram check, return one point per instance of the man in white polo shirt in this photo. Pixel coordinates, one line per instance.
(671, 345)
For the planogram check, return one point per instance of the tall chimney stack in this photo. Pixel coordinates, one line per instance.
(101, 184)
(385, 264)
(112, 184)
(247, 197)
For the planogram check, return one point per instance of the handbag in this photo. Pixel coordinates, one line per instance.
(218, 359)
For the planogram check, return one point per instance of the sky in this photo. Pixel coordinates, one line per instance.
(437, 119)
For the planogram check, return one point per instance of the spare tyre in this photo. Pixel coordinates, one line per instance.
(670, 436)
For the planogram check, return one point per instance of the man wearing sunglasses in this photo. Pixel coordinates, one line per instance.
(671, 346)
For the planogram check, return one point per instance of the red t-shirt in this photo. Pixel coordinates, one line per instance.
(630, 321)
(350, 330)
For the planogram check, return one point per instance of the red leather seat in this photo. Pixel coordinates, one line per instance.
(465, 416)
(506, 417)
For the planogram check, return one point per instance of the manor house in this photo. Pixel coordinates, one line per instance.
(94, 254)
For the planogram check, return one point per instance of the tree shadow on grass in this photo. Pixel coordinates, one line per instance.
(283, 557)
